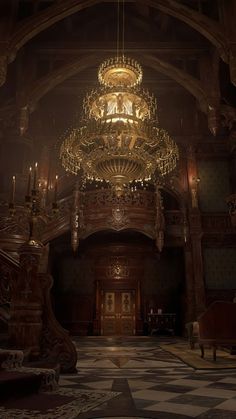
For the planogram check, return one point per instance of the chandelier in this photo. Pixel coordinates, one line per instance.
(118, 139)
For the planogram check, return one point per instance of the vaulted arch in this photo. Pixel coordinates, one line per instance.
(43, 20)
(47, 83)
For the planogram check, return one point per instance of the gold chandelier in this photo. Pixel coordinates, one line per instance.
(118, 139)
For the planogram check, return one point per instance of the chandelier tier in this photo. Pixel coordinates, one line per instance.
(118, 139)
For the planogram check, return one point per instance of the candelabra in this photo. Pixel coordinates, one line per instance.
(34, 200)
(194, 188)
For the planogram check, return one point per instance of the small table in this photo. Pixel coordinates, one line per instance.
(162, 323)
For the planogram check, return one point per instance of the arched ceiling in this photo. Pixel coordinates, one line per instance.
(43, 20)
(31, 90)
(47, 83)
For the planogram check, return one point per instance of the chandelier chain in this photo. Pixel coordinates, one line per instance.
(123, 29)
(118, 29)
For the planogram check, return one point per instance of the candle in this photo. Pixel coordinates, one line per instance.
(29, 182)
(13, 189)
(35, 175)
(55, 190)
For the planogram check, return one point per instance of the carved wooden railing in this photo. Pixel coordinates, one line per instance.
(103, 210)
(100, 210)
(102, 198)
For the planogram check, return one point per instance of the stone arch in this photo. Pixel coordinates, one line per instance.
(43, 20)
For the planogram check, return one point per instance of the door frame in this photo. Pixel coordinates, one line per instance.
(117, 316)
(108, 285)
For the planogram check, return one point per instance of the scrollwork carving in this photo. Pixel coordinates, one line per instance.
(118, 267)
(107, 197)
(56, 344)
(118, 219)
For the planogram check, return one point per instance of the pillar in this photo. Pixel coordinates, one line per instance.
(195, 233)
(190, 313)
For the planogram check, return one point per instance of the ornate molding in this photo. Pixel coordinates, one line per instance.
(118, 219)
(118, 268)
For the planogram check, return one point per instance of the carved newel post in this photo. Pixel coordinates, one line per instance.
(160, 221)
(27, 302)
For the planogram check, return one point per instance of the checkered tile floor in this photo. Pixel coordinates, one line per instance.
(152, 383)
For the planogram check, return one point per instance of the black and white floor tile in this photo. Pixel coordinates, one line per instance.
(152, 383)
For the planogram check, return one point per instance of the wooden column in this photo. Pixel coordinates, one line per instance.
(190, 314)
(139, 320)
(228, 10)
(199, 286)
(195, 233)
(96, 321)
(232, 159)
(209, 74)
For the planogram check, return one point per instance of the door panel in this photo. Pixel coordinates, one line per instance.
(118, 313)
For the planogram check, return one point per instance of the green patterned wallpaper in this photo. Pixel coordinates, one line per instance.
(220, 268)
(214, 185)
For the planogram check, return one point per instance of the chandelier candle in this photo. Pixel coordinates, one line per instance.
(13, 189)
(29, 182)
(35, 176)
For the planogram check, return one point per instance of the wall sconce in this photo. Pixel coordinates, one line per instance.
(194, 187)
(185, 227)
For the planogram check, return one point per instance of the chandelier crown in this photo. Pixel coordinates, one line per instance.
(120, 71)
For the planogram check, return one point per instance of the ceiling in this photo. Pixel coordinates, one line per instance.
(57, 46)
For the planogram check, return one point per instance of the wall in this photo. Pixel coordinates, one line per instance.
(161, 278)
(220, 268)
(164, 283)
(214, 185)
(74, 293)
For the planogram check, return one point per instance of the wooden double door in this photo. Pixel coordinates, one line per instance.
(118, 312)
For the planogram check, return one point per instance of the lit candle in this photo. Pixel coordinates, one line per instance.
(29, 182)
(35, 175)
(13, 189)
(55, 190)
